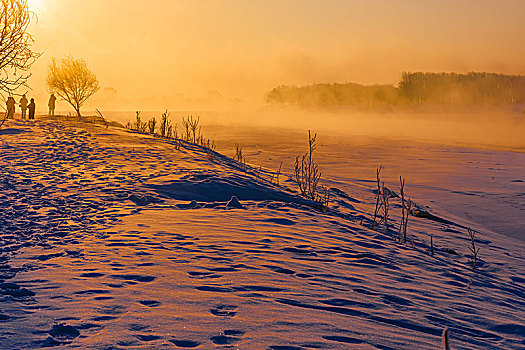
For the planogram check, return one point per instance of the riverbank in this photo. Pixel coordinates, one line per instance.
(114, 238)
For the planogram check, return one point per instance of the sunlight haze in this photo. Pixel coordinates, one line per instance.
(184, 53)
(262, 174)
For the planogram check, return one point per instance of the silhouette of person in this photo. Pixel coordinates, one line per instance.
(10, 107)
(32, 109)
(23, 105)
(51, 105)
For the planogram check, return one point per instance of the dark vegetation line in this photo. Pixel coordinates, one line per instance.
(487, 89)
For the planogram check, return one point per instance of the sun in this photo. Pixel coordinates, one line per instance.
(37, 6)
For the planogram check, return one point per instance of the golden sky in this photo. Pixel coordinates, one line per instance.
(180, 49)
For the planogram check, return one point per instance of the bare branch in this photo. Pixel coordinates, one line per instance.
(16, 53)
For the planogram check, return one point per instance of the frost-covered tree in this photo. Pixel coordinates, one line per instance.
(16, 52)
(72, 80)
(16, 45)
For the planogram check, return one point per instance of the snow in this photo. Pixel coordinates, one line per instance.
(112, 239)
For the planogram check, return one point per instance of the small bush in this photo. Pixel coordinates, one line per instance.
(138, 121)
(238, 154)
(382, 207)
(139, 125)
(307, 174)
(385, 196)
(406, 207)
(165, 125)
(277, 174)
(104, 120)
(378, 198)
(326, 197)
(210, 145)
(192, 129)
(210, 154)
(152, 123)
(169, 131)
(473, 250)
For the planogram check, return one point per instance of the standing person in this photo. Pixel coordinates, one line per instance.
(23, 105)
(32, 109)
(10, 107)
(7, 108)
(51, 105)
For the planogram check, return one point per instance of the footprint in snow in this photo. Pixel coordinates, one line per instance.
(62, 331)
(224, 310)
(185, 343)
(150, 303)
(223, 339)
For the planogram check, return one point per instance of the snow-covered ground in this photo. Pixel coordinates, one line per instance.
(112, 239)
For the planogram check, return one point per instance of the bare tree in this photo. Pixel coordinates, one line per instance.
(16, 53)
(72, 80)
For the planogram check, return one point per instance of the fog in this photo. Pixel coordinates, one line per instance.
(225, 55)
(497, 130)
(501, 130)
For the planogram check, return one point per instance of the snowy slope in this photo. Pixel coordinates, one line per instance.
(112, 239)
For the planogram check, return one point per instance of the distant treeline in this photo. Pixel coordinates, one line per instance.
(414, 88)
